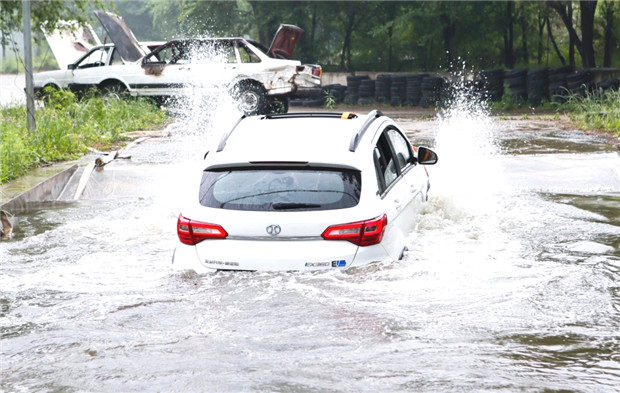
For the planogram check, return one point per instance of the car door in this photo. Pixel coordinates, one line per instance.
(87, 72)
(414, 175)
(391, 165)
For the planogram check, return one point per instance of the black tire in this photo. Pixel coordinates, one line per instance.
(277, 105)
(251, 99)
(45, 93)
(113, 89)
(537, 86)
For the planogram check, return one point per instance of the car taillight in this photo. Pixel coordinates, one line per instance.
(193, 232)
(362, 233)
(317, 71)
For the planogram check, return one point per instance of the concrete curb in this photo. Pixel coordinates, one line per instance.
(47, 190)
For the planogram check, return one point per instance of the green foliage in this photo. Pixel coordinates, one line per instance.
(597, 110)
(386, 36)
(45, 15)
(330, 101)
(67, 127)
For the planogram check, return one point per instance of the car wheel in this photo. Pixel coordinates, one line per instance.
(114, 90)
(46, 93)
(250, 99)
(278, 105)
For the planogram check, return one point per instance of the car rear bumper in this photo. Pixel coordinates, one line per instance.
(297, 255)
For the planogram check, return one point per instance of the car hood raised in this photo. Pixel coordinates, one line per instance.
(68, 46)
(284, 41)
(122, 36)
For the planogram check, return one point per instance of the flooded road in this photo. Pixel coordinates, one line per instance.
(511, 282)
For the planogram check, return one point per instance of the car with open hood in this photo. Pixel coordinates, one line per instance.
(303, 191)
(260, 80)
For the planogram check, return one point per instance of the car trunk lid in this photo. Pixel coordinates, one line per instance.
(284, 41)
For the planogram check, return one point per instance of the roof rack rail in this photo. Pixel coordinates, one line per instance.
(345, 115)
(372, 116)
(222, 144)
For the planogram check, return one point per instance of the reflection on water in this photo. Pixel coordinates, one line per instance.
(510, 284)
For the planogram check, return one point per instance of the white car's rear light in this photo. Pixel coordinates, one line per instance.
(362, 233)
(193, 232)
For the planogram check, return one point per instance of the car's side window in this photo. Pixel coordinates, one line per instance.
(96, 58)
(229, 55)
(402, 149)
(116, 58)
(247, 56)
(385, 166)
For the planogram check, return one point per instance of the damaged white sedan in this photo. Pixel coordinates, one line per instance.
(260, 80)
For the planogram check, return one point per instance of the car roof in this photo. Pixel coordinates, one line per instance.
(319, 139)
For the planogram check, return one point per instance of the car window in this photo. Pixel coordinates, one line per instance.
(115, 59)
(163, 54)
(280, 189)
(96, 58)
(402, 149)
(222, 52)
(385, 166)
(247, 55)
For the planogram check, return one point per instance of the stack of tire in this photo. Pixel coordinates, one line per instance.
(492, 84)
(335, 91)
(316, 99)
(367, 92)
(398, 90)
(353, 86)
(431, 91)
(536, 86)
(383, 87)
(557, 83)
(516, 80)
(609, 84)
(414, 89)
(580, 82)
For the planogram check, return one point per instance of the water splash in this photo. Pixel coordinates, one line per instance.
(468, 174)
(206, 109)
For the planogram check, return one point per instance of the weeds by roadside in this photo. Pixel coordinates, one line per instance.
(67, 127)
(597, 110)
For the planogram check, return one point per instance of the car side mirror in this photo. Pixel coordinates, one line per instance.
(426, 156)
(71, 66)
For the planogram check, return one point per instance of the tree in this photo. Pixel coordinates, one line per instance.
(585, 44)
(45, 15)
(609, 8)
(448, 32)
(509, 59)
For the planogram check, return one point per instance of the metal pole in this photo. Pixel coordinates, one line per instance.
(28, 59)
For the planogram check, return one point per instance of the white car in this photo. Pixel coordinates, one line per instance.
(304, 192)
(262, 81)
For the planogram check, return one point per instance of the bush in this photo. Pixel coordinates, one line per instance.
(66, 127)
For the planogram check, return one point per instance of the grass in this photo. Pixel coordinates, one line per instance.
(66, 127)
(597, 110)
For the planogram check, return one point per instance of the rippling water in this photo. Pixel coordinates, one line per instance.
(511, 283)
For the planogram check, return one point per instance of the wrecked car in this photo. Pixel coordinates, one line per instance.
(260, 80)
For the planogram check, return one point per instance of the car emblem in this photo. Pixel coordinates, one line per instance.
(274, 230)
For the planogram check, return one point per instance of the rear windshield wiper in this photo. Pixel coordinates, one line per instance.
(292, 206)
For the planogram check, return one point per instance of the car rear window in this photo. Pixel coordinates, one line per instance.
(278, 189)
